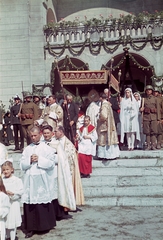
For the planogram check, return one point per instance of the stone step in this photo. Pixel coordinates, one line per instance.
(131, 191)
(128, 163)
(125, 201)
(151, 171)
(124, 181)
(136, 154)
(142, 154)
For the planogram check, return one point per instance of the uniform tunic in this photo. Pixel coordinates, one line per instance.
(29, 113)
(151, 114)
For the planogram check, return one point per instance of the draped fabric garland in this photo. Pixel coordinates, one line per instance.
(95, 48)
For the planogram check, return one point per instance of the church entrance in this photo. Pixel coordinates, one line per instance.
(136, 72)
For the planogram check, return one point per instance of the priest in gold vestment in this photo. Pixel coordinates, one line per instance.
(107, 135)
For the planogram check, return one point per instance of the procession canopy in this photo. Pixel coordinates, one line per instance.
(97, 79)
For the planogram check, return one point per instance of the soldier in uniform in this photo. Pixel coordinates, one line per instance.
(151, 116)
(157, 93)
(28, 114)
(37, 101)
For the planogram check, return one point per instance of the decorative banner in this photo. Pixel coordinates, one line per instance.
(114, 83)
(88, 77)
(84, 77)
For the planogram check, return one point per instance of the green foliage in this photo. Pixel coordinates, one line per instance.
(128, 19)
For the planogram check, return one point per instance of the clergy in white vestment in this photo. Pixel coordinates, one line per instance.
(3, 153)
(86, 147)
(66, 196)
(72, 158)
(129, 119)
(107, 135)
(53, 113)
(4, 209)
(40, 187)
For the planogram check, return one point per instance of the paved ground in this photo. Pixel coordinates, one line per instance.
(108, 224)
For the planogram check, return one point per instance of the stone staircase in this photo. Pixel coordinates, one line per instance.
(125, 182)
(135, 179)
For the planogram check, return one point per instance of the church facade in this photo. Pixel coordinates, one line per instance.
(124, 37)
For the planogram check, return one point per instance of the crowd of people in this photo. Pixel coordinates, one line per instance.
(62, 138)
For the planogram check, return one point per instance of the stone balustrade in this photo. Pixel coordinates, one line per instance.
(108, 33)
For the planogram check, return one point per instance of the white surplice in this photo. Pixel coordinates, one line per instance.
(14, 185)
(3, 153)
(87, 146)
(4, 210)
(40, 185)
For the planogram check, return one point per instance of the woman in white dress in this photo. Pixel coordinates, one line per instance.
(139, 144)
(4, 209)
(129, 119)
(14, 189)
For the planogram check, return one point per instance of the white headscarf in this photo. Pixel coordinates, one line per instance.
(132, 96)
(139, 100)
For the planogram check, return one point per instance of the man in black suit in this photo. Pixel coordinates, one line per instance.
(70, 117)
(15, 121)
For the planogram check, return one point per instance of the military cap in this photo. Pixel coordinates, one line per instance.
(156, 89)
(149, 87)
(26, 94)
(36, 95)
(16, 97)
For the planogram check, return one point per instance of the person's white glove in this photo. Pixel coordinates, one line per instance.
(1, 127)
(11, 127)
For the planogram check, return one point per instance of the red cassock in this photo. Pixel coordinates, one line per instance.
(85, 161)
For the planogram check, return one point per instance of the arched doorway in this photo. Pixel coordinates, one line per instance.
(136, 71)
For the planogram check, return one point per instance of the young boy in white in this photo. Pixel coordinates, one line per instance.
(4, 209)
(14, 189)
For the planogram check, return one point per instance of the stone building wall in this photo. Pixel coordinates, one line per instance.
(22, 40)
(21, 49)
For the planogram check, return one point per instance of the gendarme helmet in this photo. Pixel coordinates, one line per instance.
(149, 87)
